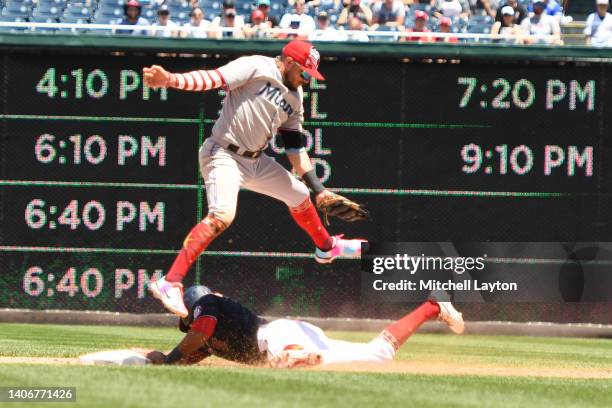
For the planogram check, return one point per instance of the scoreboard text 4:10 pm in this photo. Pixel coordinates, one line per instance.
(94, 84)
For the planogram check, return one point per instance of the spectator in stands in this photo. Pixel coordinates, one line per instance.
(198, 26)
(163, 20)
(444, 26)
(598, 28)
(551, 8)
(258, 27)
(328, 6)
(325, 31)
(298, 20)
(420, 26)
(508, 26)
(229, 20)
(356, 29)
(353, 8)
(132, 10)
(218, 20)
(264, 7)
(541, 24)
(520, 12)
(452, 8)
(484, 7)
(389, 13)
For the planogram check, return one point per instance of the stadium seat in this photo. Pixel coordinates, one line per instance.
(385, 38)
(57, 3)
(181, 7)
(74, 20)
(149, 13)
(11, 19)
(433, 24)
(111, 11)
(181, 17)
(113, 3)
(77, 12)
(47, 10)
(479, 25)
(420, 6)
(43, 19)
(29, 3)
(16, 11)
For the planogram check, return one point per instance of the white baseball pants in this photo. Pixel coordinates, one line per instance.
(225, 172)
(277, 335)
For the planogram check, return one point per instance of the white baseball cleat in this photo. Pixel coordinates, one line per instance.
(170, 294)
(449, 315)
(294, 356)
(347, 248)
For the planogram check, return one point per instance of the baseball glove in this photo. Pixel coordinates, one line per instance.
(335, 205)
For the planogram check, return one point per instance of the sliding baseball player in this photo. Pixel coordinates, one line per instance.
(219, 326)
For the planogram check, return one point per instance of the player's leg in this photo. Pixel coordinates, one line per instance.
(383, 348)
(398, 332)
(222, 178)
(292, 343)
(272, 179)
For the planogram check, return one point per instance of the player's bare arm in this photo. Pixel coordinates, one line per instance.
(186, 352)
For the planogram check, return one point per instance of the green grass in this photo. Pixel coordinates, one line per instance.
(104, 386)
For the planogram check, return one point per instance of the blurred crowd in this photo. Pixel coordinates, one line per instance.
(356, 20)
(512, 21)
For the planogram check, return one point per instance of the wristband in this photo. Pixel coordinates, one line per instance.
(174, 356)
(313, 182)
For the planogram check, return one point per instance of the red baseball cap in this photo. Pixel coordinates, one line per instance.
(445, 21)
(306, 56)
(420, 14)
(257, 13)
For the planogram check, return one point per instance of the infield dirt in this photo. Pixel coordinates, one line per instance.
(396, 367)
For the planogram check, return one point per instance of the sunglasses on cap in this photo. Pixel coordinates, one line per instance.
(305, 75)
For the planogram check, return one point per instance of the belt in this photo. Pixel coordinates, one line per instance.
(253, 155)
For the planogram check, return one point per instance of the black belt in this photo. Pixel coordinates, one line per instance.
(253, 155)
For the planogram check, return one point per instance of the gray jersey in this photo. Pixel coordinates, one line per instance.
(257, 104)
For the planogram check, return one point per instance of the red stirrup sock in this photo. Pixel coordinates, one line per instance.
(195, 243)
(306, 216)
(398, 332)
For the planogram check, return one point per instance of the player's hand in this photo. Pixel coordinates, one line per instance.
(156, 76)
(156, 357)
(331, 204)
(322, 196)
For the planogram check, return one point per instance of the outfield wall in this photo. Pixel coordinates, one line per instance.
(99, 178)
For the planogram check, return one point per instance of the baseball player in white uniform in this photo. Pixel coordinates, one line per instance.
(264, 98)
(223, 327)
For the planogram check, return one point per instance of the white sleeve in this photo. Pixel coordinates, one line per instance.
(295, 121)
(309, 24)
(238, 72)
(588, 29)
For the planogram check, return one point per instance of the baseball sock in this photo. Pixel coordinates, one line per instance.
(306, 216)
(398, 332)
(195, 243)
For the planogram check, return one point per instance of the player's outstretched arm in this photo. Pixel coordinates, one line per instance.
(156, 76)
(186, 352)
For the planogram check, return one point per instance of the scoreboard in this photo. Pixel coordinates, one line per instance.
(99, 178)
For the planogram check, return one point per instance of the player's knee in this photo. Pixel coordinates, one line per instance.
(219, 220)
(382, 350)
(300, 197)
